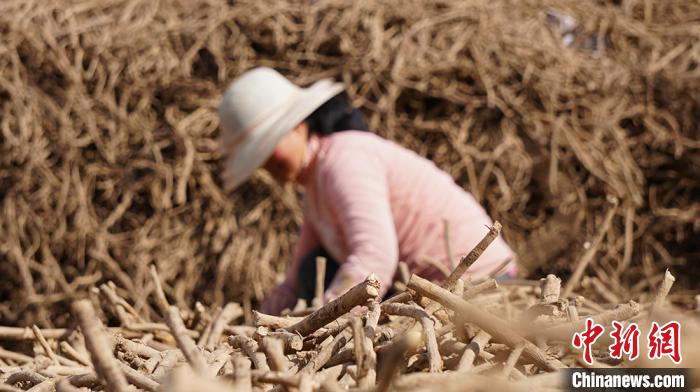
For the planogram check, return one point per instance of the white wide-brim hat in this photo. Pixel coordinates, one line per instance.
(257, 110)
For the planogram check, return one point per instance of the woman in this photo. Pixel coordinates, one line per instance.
(368, 202)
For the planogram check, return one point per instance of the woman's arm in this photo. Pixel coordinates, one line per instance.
(356, 190)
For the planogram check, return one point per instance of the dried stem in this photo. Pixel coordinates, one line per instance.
(25, 376)
(473, 349)
(291, 341)
(134, 347)
(274, 349)
(320, 282)
(472, 256)
(572, 312)
(661, 294)
(138, 379)
(229, 313)
(434, 359)
(392, 359)
(404, 273)
(161, 301)
(15, 333)
(44, 344)
(242, 380)
(279, 378)
(448, 243)
(68, 350)
(184, 341)
(326, 352)
(250, 348)
(363, 349)
(98, 346)
(65, 386)
(368, 375)
(489, 323)
(587, 257)
(551, 286)
(113, 300)
(274, 322)
(512, 359)
(358, 295)
(471, 292)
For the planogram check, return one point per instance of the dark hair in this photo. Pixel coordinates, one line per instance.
(336, 115)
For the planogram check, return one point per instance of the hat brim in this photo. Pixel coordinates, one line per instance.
(257, 147)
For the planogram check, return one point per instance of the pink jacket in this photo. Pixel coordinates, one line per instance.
(370, 203)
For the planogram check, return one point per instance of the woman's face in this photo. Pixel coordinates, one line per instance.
(286, 161)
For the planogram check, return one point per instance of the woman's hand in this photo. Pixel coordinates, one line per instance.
(282, 297)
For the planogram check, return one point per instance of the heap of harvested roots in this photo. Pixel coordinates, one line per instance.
(582, 140)
(457, 336)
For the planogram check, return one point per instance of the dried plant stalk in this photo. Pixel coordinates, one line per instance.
(67, 349)
(356, 296)
(65, 386)
(663, 291)
(241, 376)
(320, 282)
(44, 344)
(589, 254)
(551, 286)
(476, 346)
(274, 350)
(472, 256)
(434, 358)
(250, 348)
(98, 346)
(29, 377)
(15, 333)
(138, 379)
(230, 312)
(320, 360)
(292, 342)
(387, 373)
(512, 359)
(491, 324)
(161, 301)
(363, 349)
(471, 292)
(134, 347)
(184, 341)
(274, 322)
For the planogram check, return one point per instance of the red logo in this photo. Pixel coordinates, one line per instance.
(665, 340)
(626, 341)
(662, 340)
(586, 339)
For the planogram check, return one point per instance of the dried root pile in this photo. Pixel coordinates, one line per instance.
(108, 159)
(473, 336)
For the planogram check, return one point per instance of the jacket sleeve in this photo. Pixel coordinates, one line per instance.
(356, 189)
(308, 240)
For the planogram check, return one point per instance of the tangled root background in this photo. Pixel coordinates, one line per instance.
(109, 161)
